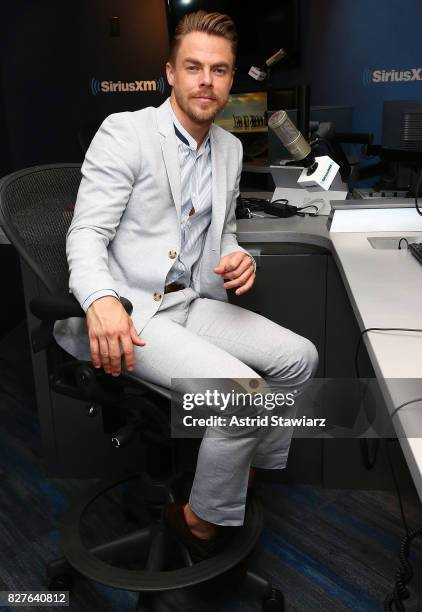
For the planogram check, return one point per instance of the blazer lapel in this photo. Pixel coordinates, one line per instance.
(219, 187)
(170, 153)
(171, 160)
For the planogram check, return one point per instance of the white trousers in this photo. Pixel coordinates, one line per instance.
(192, 337)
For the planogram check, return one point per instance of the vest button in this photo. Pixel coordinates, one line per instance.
(157, 296)
(172, 254)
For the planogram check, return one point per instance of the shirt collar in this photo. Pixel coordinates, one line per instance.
(184, 136)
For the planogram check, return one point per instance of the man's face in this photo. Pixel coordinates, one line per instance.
(202, 75)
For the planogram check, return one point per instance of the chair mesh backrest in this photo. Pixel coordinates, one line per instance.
(37, 208)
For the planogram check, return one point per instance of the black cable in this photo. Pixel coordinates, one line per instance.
(253, 203)
(296, 210)
(280, 201)
(245, 207)
(405, 571)
(368, 461)
(396, 483)
(365, 331)
(281, 208)
(413, 401)
(310, 206)
(407, 242)
(404, 574)
(417, 193)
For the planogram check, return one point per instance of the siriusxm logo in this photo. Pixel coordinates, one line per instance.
(98, 87)
(391, 76)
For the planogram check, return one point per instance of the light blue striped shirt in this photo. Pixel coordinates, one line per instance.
(196, 190)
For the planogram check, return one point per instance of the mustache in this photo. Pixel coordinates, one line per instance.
(203, 94)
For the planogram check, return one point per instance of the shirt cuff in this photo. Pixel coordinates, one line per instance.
(97, 295)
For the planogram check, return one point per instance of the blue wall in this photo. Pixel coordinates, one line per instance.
(49, 54)
(344, 41)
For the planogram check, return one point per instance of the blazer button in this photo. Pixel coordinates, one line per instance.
(157, 296)
(172, 254)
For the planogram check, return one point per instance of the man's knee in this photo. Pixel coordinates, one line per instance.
(310, 358)
(300, 362)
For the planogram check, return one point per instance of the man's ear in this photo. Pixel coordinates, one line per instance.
(170, 74)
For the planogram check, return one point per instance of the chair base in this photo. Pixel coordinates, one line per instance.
(272, 599)
(162, 554)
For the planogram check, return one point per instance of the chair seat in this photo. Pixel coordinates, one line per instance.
(162, 391)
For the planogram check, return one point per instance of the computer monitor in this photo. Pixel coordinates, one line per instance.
(401, 129)
(402, 125)
(244, 113)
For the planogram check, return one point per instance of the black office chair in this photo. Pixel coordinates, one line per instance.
(36, 208)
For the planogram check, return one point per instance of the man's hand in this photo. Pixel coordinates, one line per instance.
(111, 334)
(238, 269)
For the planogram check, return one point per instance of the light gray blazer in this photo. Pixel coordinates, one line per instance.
(126, 224)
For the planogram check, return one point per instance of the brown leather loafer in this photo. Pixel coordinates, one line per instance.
(199, 549)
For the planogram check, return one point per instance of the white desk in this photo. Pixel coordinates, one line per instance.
(385, 290)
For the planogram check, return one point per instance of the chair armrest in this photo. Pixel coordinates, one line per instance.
(49, 308)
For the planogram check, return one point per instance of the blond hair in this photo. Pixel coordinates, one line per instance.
(215, 24)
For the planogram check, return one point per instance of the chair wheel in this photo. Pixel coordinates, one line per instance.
(61, 583)
(275, 603)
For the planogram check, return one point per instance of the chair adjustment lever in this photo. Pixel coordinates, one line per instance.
(88, 384)
(123, 436)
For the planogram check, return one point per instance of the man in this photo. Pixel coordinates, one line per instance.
(155, 222)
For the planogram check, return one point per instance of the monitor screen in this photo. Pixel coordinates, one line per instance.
(402, 125)
(244, 113)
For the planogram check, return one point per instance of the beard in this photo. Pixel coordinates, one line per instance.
(197, 115)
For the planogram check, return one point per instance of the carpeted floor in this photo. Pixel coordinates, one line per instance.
(328, 550)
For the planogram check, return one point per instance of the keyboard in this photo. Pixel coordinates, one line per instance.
(416, 249)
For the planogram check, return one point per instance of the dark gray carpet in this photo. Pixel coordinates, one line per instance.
(329, 550)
